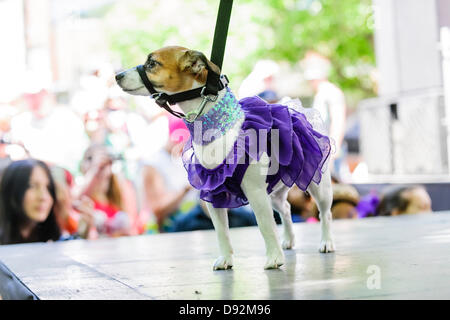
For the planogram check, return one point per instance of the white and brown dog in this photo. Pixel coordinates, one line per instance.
(176, 69)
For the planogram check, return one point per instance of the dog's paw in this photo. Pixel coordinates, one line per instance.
(223, 263)
(326, 246)
(288, 243)
(274, 262)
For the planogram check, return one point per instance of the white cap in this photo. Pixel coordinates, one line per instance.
(254, 83)
(264, 69)
(315, 66)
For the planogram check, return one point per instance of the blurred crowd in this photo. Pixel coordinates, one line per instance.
(104, 164)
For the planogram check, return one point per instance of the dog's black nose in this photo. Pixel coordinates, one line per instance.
(120, 76)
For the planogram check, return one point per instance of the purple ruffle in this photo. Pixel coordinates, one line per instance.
(300, 159)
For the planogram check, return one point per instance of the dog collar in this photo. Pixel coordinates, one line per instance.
(214, 83)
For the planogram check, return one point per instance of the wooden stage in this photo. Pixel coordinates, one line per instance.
(404, 257)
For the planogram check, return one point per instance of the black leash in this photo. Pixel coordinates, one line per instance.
(214, 82)
(221, 32)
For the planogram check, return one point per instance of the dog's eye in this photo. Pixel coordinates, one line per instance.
(151, 64)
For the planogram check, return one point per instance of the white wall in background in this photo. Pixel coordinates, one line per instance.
(12, 53)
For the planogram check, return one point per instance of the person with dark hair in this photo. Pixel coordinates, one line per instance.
(402, 199)
(27, 200)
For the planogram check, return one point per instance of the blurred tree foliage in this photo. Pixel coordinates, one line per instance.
(282, 30)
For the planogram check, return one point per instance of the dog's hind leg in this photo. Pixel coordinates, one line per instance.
(282, 206)
(323, 195)
(219, 219)
(254, 187)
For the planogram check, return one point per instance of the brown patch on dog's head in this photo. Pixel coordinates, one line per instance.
(174, 69)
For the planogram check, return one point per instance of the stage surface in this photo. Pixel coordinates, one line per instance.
(405, 257)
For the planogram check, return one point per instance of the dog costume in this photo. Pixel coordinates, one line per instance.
(301, 155)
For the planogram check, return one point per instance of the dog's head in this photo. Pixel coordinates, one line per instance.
(170, 70)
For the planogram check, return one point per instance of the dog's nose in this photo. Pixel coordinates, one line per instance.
(120, 76)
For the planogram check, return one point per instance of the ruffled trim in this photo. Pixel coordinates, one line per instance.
(208, 179)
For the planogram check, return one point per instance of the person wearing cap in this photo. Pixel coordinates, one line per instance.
(329, 100)
(261, 81)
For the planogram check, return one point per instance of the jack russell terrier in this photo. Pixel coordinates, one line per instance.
(240, 152)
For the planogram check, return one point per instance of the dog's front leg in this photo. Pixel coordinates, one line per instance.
(219, 219)
(254, 187)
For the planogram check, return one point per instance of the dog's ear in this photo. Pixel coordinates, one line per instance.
(195, 62)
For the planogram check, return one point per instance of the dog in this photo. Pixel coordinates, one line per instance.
(174, 69)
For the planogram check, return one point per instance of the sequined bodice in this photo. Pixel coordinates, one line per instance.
(217, 121)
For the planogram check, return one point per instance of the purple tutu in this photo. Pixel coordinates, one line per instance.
(299, 156)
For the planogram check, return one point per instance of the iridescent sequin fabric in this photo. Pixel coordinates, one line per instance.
(217, 121)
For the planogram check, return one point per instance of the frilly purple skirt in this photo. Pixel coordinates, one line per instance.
(300, 158)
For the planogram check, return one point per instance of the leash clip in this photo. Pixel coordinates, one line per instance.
(207, 97)
(193, 115)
